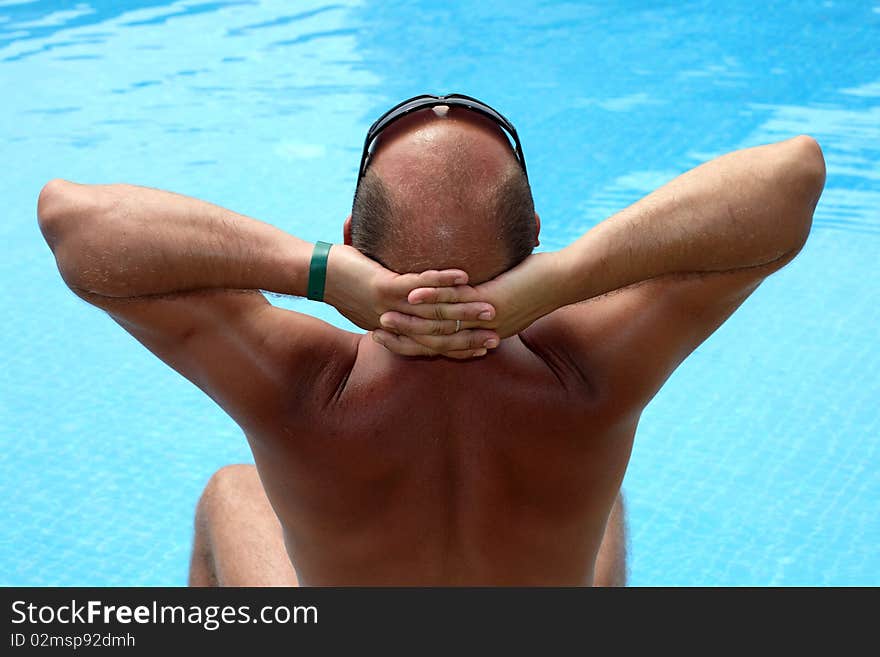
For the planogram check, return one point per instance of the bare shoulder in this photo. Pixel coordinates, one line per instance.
(629, 341)
(309, 350)
(255, 360)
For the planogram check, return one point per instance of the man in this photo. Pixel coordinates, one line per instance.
(479, 433)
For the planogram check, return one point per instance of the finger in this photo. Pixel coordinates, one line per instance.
(400, 344)
(431, 278)
(441, 278)
(405, 346)
(474, 311)
(469, 340)
(414, 325)
(456, 294)
(465, 354)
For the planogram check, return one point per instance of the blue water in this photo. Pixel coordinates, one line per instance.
(757, 464)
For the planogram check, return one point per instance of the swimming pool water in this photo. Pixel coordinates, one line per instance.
(757, 463)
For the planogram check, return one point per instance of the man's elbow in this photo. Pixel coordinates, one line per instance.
(54, 210)
(806, 165)
(811, 163)
(66, 213)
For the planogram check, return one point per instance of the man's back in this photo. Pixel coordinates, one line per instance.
(431, 471)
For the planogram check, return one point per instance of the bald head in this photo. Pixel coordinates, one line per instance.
(444, 190)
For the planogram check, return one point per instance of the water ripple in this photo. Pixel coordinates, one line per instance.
(186, 10)
(43, 22)
(53, 110)
(282, 20)
(312, 36)
(58, 18)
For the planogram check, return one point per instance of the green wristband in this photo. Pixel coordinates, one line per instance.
(318, 271)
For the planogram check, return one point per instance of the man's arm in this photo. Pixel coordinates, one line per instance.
(749, 209)
(181, 276)
(123, 241)
(128, 241)
(698, 245)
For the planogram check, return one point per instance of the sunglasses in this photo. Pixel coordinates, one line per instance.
(426, 101)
